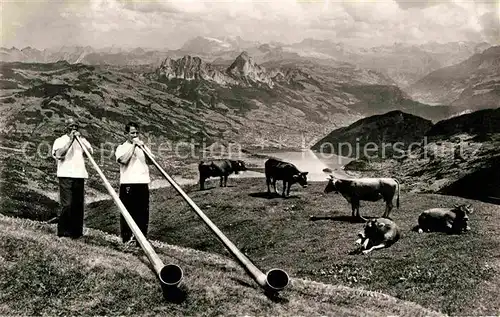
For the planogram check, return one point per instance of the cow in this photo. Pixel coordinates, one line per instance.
(367, 189)
(287, 172)
(220, 169)
(377, 234)
(449, 220)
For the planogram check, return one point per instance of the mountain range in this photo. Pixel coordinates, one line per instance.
(288, 97)
(471, 84)
(404, 63)
(404, 72)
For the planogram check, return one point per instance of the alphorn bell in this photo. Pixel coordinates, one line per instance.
(170, 275)
(275, 280)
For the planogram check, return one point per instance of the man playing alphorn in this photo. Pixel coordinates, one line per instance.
(134, 181)
(72, 173)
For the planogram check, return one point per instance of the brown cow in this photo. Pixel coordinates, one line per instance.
(377, 234)
(220, 169)
(368, 189)
(449, 220)
(287, 172)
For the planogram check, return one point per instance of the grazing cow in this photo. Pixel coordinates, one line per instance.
(377, 234)
(368, 189)
(450, 220)
(220, 169)
(287, 172)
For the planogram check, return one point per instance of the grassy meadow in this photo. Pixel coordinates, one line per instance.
(43, 275)
(456, 275)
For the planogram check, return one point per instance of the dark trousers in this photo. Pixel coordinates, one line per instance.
(135, 197)
(70, 217)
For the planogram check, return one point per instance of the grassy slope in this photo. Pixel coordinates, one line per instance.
(435, 167)
(388, 128)
(453, 274)
(103, 100)
(458, 156)
(379, 99)
(46, 275)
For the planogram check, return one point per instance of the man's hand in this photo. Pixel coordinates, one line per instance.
(138, 142)
(73, 134)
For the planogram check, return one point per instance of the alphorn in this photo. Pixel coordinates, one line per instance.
(169, 275)
(275, 279)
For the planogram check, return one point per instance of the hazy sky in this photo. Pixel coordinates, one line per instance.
(168, 24)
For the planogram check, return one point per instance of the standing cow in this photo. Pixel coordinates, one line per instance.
(287, 172)
(450, 220)
(367, 189)
(220, 169)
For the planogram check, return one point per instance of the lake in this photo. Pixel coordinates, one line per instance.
(314, 163)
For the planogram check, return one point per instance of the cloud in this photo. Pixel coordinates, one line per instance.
(490, 23)
(149, 6)
(168, 24)
(373, 12)
(409, 4)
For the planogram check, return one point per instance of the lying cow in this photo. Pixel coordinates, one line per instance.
(287, 172)
(449, 220)
(367, 189)
(377, 234)
(220, 169)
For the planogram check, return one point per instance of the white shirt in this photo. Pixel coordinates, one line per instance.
(136, 171)
(72, 164)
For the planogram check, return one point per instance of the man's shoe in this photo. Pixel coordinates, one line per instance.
(132, 242)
